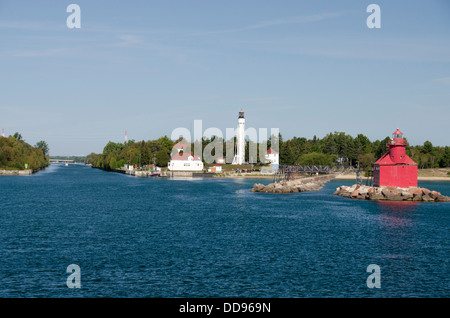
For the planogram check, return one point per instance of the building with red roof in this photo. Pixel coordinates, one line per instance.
(273, 157)
(185, 162)
(395, 168)
(215, 168)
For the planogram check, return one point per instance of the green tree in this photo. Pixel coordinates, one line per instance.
(162, 158)
(329, 145)
(363, 144)
(315, 158)
(444, 161)
(427, 147)
(112, 147)
(43, 146)
(15, 153)
(286, 154)
(382, 149)
(18, 136)
(366, 160)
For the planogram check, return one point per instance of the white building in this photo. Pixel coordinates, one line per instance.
(273, 157)
(185, 162)
(239, 158)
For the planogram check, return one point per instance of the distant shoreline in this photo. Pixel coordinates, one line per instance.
(246, 176)
(353, 177)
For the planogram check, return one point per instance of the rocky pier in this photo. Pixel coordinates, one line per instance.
(293, 186)
(362, 192)
(26, 172)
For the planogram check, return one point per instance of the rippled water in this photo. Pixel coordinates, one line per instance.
(159, 237)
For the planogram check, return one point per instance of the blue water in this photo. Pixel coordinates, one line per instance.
(157, 237)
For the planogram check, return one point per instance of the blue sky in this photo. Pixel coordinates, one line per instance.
(148, 67)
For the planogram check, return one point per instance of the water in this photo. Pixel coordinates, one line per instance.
(157, 237)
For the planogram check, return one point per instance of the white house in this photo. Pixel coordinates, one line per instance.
(185, 162)
(273, 157)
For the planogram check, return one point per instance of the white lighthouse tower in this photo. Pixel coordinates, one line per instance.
(239, 158)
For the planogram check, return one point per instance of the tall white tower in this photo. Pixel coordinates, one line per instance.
(239, 158)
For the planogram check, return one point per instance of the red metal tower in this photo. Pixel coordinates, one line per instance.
(395, 168)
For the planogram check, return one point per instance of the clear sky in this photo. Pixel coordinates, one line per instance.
(148, 67)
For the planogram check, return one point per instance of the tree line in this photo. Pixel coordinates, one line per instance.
(336, 148)
(15, 153)
(116, 155)
(339, 148)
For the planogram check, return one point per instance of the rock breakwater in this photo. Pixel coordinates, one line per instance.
(16, 172)
(362, 192)
(293, 186)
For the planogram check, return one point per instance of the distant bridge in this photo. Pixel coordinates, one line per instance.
(60, 161)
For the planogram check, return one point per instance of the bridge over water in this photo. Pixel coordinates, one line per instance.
(61, 161)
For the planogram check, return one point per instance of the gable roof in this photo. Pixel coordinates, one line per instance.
(184, 156)
(271, 151)
(386, 160)
(180, 146)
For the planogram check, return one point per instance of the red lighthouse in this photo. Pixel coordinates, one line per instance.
(395, 168)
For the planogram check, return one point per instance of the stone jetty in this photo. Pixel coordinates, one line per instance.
(387, 193)
(26, 172)
(293, 186)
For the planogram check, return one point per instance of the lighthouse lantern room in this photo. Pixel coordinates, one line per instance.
(395, 168)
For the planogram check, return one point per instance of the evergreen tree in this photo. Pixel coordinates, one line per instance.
(286, 154)
(427, 147)
(329, 145)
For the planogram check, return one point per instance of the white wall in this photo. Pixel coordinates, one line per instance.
(273, 158)
(185, 165)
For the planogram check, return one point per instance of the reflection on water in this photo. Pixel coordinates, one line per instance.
(397, 221)
(398, 205)
(397, 214)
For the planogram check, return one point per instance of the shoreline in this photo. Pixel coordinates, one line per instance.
(24, 172)
(247, 176)
(353, 177)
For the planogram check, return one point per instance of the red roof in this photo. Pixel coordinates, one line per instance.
(271, 151)
(398, 132)
(386, 160)
(184, 156)
(180, 146)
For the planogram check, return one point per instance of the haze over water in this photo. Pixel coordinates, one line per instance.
(155, 237)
